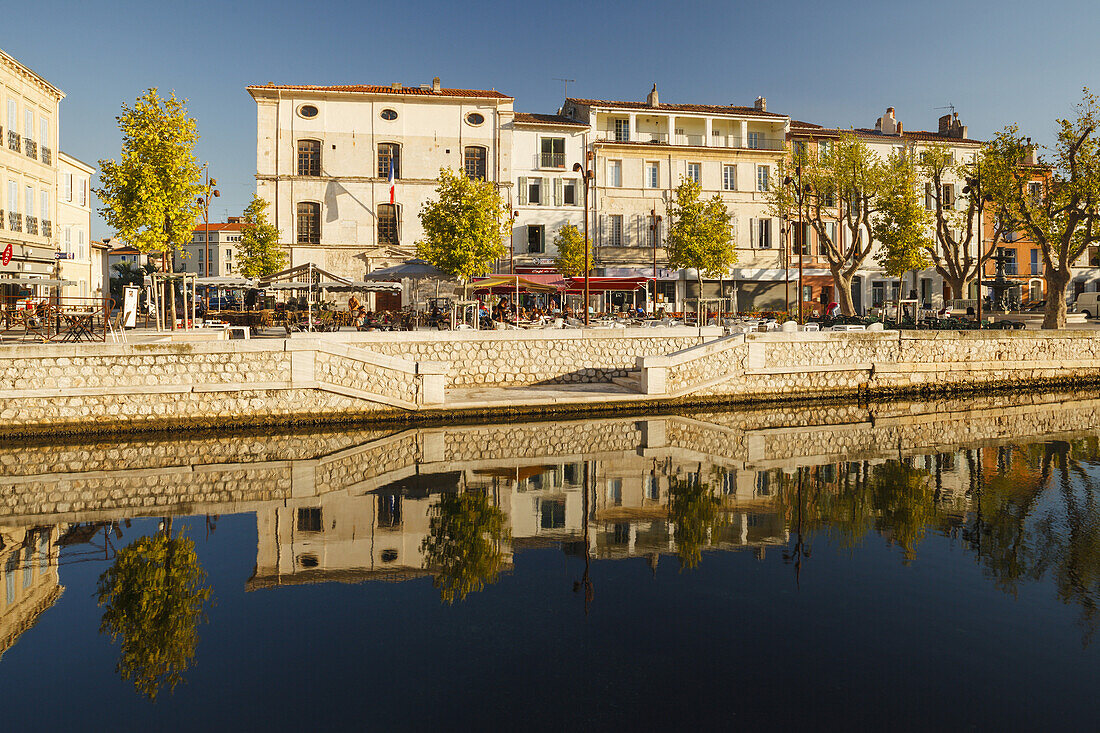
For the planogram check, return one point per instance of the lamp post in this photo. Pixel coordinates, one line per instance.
(800, 192)
(204, 201)
(587, 175)
(975, 184)
(654, 227)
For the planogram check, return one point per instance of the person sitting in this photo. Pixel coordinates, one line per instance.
(353, 304)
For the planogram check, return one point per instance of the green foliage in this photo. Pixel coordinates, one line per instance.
(693, 514)
(465, 227)
(153, 597)
(127, 273)
(570, 244)
(149, 195)
(699, 232)
(463, 546)
(902, 224)
(259, 251)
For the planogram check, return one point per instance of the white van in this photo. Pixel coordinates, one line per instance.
(1087, 303)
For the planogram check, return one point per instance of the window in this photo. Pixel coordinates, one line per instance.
(44, 131)
(200, 237)
(569, 192)
(388, 114)
(389, 154)
(28, 564)
(389, 511)
(762, 178)
(475, 118)
(1035, 193)
(822, 148)
(615, 492)
(552, 514)
(754, 139)
(536, 234)
(43, 551)
(83, 191)
(799, 149)
(44, 204)
(387, 224)
(878, 294)
(68, 239)
(948, 195)
(830, 231)
(1009, 255)
(473, 159)
(534, 191)
(28, 124)
(615, 230)
(228, 254)
(695, 172)
(622, 130)
(28, 201)
(652, 230)
(1035, 270)
(13, 116)
(764, 233)
(309, 157)
(309, 223)
(652, 488)
(553, 152)
(9, 579)
(801, 243)
(615, 173)
(80, 243)
(307, 111)
(729, 178)
(309, 519)
(67, 183)
(652, 175)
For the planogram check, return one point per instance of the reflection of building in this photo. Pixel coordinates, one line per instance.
(29, 582)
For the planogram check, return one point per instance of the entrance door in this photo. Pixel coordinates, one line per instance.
(857, 293)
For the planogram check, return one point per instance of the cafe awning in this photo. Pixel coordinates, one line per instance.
(607, 284)
(360, 287)
(513, 282)
(226, 281)
(32, 281)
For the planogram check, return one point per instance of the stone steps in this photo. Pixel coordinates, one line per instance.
(632, 381)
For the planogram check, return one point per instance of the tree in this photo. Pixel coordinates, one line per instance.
(149, 196)
(699, 233)
(1057, 202)
(465, 227)
(570, 245)
(958, 253)
(128, 273)
(847, 177)
(153, 597)
(463, 544)
(259, 251)
(902, 224)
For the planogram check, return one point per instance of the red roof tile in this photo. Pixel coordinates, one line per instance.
(703, 108)
(219, 227)
(381, 89)
(799, 128)
(529, 118)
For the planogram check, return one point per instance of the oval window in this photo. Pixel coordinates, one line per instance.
(475, 118)
(389, 114)
(308, 111)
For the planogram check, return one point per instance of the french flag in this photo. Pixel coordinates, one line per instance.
(391, 183)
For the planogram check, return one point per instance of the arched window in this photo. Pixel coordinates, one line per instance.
(309, 157)
(388, 232)
(474, 160)
(309, 222)
(389, 153)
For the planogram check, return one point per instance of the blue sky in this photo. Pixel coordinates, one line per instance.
(839, 63)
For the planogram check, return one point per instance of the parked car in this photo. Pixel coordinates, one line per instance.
(1087, 303)
(222, 302)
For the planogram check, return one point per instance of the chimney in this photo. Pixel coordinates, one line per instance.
(761, 104)
(396, 86)
(945, 125)
(435, 84)
(888, 124)
(653, 100)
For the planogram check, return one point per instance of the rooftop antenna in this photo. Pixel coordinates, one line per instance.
(566, 83)
(949, 106)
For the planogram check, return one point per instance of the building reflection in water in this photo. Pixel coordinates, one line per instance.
(30, 581)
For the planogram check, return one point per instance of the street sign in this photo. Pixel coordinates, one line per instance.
(64, 256)
(6, 259)
(129, 307)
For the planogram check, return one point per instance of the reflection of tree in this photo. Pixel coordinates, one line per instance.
(693, 515)
(153, 597)
(903, 504)
(463, 546)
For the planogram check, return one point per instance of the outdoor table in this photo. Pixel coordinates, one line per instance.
(78, 326)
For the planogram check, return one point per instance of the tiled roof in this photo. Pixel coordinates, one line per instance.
(381, 89)
(809, 128)
(702, 108)
(529, 118)
(234, 227)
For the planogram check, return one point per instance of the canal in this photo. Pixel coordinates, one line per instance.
(897, 566)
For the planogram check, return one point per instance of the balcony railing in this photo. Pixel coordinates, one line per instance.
(694, 140)
(30, 147)
(47, 228)
(552, 160)
(15, 221)
(13, 140)
(1, 218)
(32, 225)
(47, 155)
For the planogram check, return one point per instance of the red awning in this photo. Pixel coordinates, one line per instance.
(607, 284)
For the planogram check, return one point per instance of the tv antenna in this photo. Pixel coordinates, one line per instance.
(565, 82)
(949, 106)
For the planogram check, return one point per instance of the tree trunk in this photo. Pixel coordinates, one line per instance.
(958, 288)
(843, 285)
(699, 315)
(1057, 278)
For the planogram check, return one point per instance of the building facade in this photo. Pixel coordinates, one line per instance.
(324, 156)
(28, 171)
(74, 224)
(212, 251)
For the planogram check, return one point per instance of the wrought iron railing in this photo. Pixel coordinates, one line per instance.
(15, 221)
(47, 228)
(47, 155)
(32, 225)
(14, 140)
(30, 147)
(552, 160)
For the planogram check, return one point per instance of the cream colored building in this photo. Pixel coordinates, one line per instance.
(212, 250)
(643, 150)
(28, 171)
(74, 225)
(323, 156)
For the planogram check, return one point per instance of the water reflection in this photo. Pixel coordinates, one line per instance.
(1012, 482)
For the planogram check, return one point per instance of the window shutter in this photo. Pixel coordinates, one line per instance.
(601, 228)
(752, 233)
(544, 192)
(958, 197)
(522, 193)
(559, 186)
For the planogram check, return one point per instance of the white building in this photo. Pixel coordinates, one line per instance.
(74, 223)
(213, 249)
(324, 153)
(28, 171)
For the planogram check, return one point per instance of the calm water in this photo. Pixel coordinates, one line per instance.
(904, 567)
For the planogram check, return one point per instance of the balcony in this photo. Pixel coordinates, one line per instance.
(15, 221)
(32, 225)
(753, 142)
(13, 140)
(47, 155)
(1, 218)
(30, 147)
(552, 160)
(47, 228)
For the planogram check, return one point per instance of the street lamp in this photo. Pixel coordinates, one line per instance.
(800, 192)
(654, 227)
(204, 202)
(587, 175)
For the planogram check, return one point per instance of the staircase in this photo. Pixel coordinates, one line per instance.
(632, 381)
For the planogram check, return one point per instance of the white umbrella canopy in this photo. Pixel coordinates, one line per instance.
(360, 287)
(226, 281)
(414, 269)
